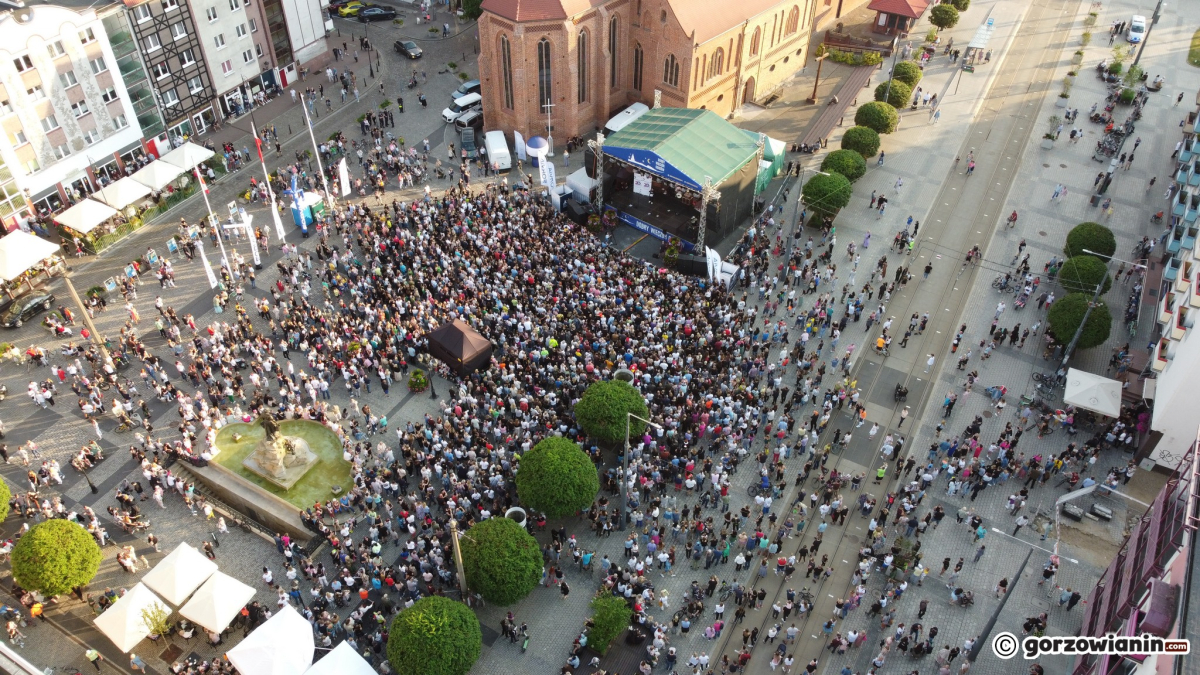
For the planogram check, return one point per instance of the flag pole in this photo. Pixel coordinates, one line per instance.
(317, 154)
(213, 222)
(270, 191)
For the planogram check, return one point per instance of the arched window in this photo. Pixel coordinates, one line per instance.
(717, 63)
(583, 65)
(506, 71)
(614, 61)
(545, 95)
(793, 21)
(637, 66)
(671, 71)
(754, 41)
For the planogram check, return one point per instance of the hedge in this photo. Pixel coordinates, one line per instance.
(846, 162)
(502, 561)
(908, 72)
(557, 478)
(863, 140)
(899, 94)
(877, 115)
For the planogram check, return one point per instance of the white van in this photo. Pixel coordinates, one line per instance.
(623, 118)
(462, 105)
(1137, 29)
(497, 150)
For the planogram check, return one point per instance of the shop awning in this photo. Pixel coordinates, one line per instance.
(20, 251)
(85, 216)
(187, 156)
(157, 174)
(1093, 392)
(122, 193)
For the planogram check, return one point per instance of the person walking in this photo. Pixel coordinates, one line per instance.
(95, 658)
(929, 362)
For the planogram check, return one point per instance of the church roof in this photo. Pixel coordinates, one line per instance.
(709, 18)
(538, 10)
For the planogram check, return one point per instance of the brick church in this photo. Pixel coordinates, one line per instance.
(593, 58)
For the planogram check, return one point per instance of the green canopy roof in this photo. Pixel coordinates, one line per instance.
(695, 143)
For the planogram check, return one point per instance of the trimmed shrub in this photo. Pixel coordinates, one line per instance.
(557, 478)
(846, 162)
(908, 72)
(601, 413)
(502, 561)
(1083, 273)
(877, 115)
(961, 5)
(863, 140)
(611, 616)
(55, 556)
(1090, 236)
(825, 195)
(5, 495)
(943, 16)
(899, 94)
(436, 636)
(1066, 314)
(1127, 95)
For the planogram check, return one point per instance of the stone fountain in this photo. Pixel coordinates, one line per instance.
(282, 460)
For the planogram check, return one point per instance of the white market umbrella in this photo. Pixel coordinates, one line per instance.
(157, 174)
(1093, 392)
(20, 250)
(180, 573)
(217, 603)
(342, 660)
(122, 193)
(85, 216)
(281, 646)
(123, 623)
(187, 156)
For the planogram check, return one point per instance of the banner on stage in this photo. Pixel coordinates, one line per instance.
(642, 184)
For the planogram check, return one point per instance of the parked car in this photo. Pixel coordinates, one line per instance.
(467, 143)
(462, 105)
(376, 14)
(338, 4)
(408, 48)
(352, 8)
(468, 87)
(26, 307)
(470, 120)
(1137, 29)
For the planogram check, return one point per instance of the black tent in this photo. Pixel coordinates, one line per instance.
(461, 347)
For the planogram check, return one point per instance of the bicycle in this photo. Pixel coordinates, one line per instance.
(756, 489)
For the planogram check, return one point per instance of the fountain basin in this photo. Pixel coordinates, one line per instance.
(303, 483)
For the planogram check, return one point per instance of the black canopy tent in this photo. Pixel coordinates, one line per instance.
(460, 346)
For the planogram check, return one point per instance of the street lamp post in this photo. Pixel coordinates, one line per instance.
(1153, 21)
(1062, 371)
(625, 467)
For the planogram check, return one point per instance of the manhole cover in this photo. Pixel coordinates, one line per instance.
(987, 413)
(1045, 166)
(1062, 166)
(1041, 233)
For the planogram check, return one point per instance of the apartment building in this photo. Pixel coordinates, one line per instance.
(64, 107)
(237, 49)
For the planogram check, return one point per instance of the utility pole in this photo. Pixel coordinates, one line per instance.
(462, 577)
(1153, 20)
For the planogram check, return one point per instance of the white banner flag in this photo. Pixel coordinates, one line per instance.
(519, 141)
(278, 222)
(714, 264)
(642, 184)
(208, 270)
(344, 174)
(547, 171)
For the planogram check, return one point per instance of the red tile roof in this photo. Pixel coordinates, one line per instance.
(525, 10)
(710, 18)
(912, 9)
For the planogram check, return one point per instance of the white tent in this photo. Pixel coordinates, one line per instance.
(85, 216)
(1093, 392)
(281, 646)
(123, 623)
(122, 193)
(217, 602)
(20, 250)
(157, 175)
(187, 156)
(180, 573)
(343, 660)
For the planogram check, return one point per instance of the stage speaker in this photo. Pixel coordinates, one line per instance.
(578, 213)
(589, 161)
(695, 265)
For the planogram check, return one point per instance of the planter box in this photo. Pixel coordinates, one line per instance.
(1061, 102)
(1047, 144)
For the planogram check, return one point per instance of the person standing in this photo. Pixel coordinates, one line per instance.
(929, 362)
(95, 658)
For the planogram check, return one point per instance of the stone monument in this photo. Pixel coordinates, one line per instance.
(283, 460)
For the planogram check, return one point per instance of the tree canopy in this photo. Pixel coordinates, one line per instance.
(436, 636)
(1082, 273)
(502, 561)
(601, 412)
(1066, 314)
(826, 194)
(877, 115)
(1089, 236)
(908, 72)
(943, 16)
(863, 140)
(611, 616)
(55, 556)
(846, 162)
(557, 478)
(899, 94)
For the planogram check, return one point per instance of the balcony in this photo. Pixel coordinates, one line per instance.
(151, 124)
(1183, 321)
(1161, 355)
(132, 71)
(122, 45)
(1176, 240)
(1171, 271)
(1166, 309)
(143, 102)
(1183, 283)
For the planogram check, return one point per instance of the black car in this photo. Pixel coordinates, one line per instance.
(26, 307)
(408, 48)
(376, 14)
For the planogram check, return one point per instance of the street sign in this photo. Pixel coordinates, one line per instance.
(991, 21)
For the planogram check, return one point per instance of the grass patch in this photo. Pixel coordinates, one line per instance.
(1194, 50)
(464, 77)
(453, 65)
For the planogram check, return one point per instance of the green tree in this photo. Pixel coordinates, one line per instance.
(863, 140)
(502, 561)
(611, 616)
(436, 636)
(601, 413)
(472, 8)
(557, 478)
(5, 495)
(877, 115)
(846, 162)
(55, 556)
(943, 16)
(961, 5)
(899, 94)
(1083, 273)
(825, 194)
(908, 72)
(1092, 237)
(1066, 314)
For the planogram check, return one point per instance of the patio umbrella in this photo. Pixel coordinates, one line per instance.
(217, 603)
(180, 573)
(187, 156)
(460, 346)
(85, 216)
(122, 193)
(281, 646)
(157, 174)
(20, 250)
(123, 622)
(341, 660)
